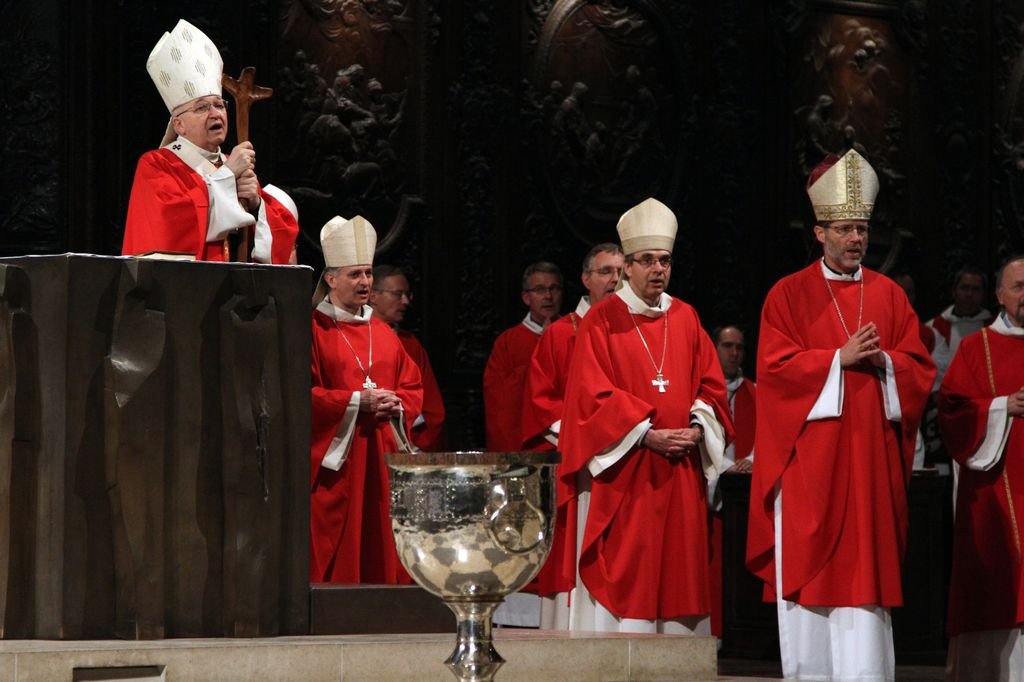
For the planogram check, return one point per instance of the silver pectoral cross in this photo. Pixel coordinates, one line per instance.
(660, 382)
(369, 383)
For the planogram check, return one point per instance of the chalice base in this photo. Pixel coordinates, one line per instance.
(474, 658)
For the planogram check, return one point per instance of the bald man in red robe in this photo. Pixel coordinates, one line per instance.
(981, 417)
(842, 380)
(645, 424)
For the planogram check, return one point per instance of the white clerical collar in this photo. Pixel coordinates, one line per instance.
(533, 326)
(216, 158)
(1003, 325)
(638, 306)
(979, 316)
(583, 306)
(733, 384)
(341, 315)
(840, 276)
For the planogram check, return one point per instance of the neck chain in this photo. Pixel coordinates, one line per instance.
(660, 381)
(860, 312)
(368, 383)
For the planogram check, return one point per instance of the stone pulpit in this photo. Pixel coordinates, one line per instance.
(154, 448)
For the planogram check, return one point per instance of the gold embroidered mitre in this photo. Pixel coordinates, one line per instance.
(348, 242)
(843, 188)
(650, 225)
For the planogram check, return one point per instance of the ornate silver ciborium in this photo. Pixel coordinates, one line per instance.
(472, 527)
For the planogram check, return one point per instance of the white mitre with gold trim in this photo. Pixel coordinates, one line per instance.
(650, 225)
(843, 188)
(184, 65)
(348, 242)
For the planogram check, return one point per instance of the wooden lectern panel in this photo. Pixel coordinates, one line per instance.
(154, 448)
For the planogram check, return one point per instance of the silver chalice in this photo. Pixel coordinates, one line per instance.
(471, 528)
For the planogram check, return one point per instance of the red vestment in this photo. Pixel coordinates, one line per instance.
(543, 400)
(744, 418)
(504, 379)
(985, 586)
(430, 435)
(844, 479)
(350, 526)
(645, 545)
(167, 211)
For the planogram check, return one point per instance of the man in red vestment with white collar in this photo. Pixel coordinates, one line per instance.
(543, 401)
(188, 197)
(645, 423)
(842, 380)
(739, 456)
(981, 417)
(366, 389)
(390, 296)
(505, 372)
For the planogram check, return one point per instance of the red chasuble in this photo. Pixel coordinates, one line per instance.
(844, 480)
(985, 587)
(167, 211)
(744, 418)
(548, 371)
(543, 399)
(645, 546)
(350, 527)
(430, 435)
(504, 379)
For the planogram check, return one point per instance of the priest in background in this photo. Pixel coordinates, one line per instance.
(505, 372)
(645, 424)
(390, 297)
(981, 417)
(366, 389)
(543, 402)
(739, 455)
(188, 197)
(842, 380)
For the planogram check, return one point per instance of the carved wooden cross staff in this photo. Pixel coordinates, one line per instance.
(244, 91)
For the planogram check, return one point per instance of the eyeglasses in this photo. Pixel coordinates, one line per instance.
(540, 290)
(847, 230)
(203, 108)
(606, 271)
(648, 261)
(398, 293)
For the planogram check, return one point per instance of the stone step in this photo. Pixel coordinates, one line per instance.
(531, 655)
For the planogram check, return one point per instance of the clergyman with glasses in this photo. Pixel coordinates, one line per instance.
(842, 380)
(390, 297)
(644, 428)
(188, 197)
(544, 399)
(505, 373)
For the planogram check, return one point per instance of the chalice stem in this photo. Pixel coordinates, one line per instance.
(474, 658)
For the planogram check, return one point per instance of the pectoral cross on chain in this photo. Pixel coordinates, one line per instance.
(369, 383)
(660, 382)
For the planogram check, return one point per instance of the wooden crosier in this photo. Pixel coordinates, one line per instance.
(245, 92)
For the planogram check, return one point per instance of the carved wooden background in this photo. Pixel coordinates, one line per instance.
(481, 136)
